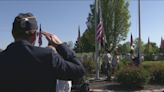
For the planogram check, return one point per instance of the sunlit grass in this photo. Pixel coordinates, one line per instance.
(153, 62)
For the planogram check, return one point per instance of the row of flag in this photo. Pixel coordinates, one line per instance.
(100, 32)
(132, 43)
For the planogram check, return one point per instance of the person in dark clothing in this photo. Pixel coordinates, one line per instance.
(27, 68)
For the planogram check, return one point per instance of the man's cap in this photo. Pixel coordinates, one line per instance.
(25, 23)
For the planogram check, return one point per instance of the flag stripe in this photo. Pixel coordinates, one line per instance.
(99, 32)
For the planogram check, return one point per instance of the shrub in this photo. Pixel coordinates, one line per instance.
(90, 66)
(156, 70)
(148, 57)
(132, 76)
(157, 75)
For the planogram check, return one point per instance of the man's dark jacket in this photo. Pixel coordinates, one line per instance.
(26, 68)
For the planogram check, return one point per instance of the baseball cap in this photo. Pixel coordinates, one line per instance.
(25, 23)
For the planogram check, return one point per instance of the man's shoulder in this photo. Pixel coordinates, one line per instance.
(40, 49)
(41, 53)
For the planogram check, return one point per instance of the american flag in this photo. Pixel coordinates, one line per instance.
(40, 36)
(99, 31)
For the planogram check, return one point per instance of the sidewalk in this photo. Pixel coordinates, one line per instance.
(102, 85)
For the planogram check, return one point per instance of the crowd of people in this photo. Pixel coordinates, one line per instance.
(110, 63)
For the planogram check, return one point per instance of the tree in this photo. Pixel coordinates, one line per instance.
(151, 48)
(115, 16)
(116, 21)
(136, 45)
(155, 48)
(88, 41)
(148, 49)
(125, 48)
(88, 37)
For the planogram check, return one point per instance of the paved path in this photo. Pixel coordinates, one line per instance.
(102, 85)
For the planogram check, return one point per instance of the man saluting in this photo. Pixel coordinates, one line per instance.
(27, 68)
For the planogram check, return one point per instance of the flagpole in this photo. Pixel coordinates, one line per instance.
(139, 28)
(96, 43)
(40, 36)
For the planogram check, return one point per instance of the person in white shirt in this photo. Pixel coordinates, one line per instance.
(115, 61)
(63, 86)
(107, 62)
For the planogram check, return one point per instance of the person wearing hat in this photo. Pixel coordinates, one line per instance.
(107, 64)
(27, 68)
(133, 54)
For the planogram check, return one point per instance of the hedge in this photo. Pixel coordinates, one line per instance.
(132, 77)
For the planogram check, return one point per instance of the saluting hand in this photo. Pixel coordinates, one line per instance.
(52, 39)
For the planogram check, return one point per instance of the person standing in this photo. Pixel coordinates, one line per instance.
(107, 64)
(61, 85)
(115, 60)
(27, 68)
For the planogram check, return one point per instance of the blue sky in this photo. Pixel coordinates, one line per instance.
(63, 18)
(59, 17)
(152, 20)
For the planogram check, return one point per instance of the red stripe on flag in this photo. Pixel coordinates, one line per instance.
(99, 32)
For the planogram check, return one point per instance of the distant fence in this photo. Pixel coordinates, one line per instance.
(155, 57)
(158, 57)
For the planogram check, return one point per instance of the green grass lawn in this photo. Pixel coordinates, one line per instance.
(153, 62)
